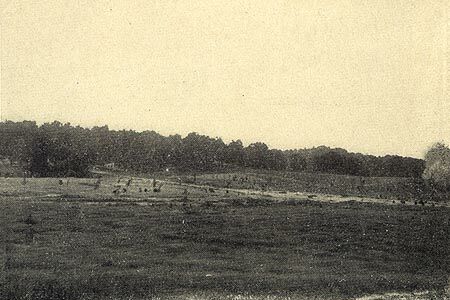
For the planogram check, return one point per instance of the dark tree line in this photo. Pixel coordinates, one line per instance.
(56, 149)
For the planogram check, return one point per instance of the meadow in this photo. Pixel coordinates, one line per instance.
(393, 188)
(74, 240)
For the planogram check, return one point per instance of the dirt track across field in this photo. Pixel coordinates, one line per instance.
(298, 196)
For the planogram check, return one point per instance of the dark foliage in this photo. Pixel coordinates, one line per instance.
(56, 149)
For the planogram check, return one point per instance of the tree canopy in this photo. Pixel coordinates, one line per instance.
(437, 167)
(56, 149)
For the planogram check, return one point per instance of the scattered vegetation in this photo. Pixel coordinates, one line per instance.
(85, 243)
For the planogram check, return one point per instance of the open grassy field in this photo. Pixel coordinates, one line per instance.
(408, 189)
(76, 241)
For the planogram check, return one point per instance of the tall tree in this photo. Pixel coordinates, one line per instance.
(437, 170)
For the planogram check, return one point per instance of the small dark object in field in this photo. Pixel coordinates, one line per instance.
(211, 190)
(402, 201)
(422, 203)
(393, 201)
(129, 181)
(312, 196)
(29, 220)
(415, 202)
(116, 191)
(107, 263)
(158, 189)
(97, 183)
(226, 191)
(60, 182)
(145, 190)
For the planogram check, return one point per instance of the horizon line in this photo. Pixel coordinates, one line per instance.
(38, 123)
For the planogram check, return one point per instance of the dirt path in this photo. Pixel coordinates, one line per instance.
(284, 195)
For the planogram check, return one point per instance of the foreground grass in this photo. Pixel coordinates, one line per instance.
(73, 248)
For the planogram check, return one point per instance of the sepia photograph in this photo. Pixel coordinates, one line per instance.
(225, 150)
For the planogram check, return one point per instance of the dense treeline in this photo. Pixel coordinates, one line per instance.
(56, 149)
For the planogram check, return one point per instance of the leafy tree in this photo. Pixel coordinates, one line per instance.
(276, 160)
(437, 170)
(234, 153)
(256, 156)
(297, 162)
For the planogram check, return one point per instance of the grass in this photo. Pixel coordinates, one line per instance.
(77, 242)
(375, 187)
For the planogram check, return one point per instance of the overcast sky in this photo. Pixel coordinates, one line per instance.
(368, 76)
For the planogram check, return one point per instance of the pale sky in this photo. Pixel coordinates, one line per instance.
(369, 76)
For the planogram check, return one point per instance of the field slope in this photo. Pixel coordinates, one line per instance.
(76, 241)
